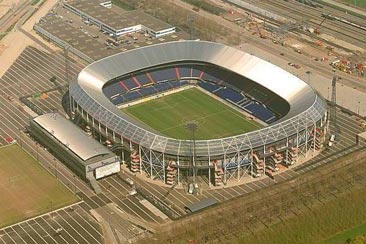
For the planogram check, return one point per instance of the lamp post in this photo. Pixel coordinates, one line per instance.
(192, 127)
(37, 152)
(55, 165)
(308, 74)
(328, 94)
(74, 184)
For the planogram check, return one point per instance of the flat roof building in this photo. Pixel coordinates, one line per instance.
(81, 153)
(99, 13)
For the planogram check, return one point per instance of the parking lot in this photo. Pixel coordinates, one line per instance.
(69, 225)
(88, 39)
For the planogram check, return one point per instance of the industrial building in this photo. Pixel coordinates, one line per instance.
(117, 24)
(81, 153)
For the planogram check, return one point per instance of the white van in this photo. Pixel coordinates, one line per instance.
(332, 138)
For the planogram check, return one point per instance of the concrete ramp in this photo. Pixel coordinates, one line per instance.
(94, 185)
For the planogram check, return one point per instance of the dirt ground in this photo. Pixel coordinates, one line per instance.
(6, 5)
(11, 47)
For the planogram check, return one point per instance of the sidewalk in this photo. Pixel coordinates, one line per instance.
(346, 7)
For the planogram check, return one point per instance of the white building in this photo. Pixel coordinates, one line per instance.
(118, 24)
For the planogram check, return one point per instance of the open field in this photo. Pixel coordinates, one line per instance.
(26, 189)
(311, 208)
(170, 114)
(341, 237)
(359, 3)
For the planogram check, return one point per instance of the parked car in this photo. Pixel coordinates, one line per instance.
(190, 188)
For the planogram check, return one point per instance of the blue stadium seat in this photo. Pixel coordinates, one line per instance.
(185, 71)
(163, 86)
(130, 83)
(243, 102)
(164, 74)
(146, 91)
(183, 82)
(132, 95)
(196, 70)
(143, 79)
(209, 86)
(118, 100)
(259, 111)
(113, 89)
(229, 94)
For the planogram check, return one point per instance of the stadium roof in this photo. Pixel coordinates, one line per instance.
(306, 107)
(71, 136)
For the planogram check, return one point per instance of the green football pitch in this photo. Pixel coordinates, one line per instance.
(27, 189)
(170, 114)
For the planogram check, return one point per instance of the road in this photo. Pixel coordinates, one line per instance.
(13, 16)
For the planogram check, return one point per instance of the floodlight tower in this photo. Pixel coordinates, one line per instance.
(333, 104)
(192, 127)
(67, 73)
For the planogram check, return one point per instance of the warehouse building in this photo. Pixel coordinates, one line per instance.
(118, 23)
(82, 154)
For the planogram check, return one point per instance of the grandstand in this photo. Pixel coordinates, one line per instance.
(293, 112)
(213, 79)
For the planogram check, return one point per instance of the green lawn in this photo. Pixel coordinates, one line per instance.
(34, 2)
(169, 115)
(359, 3)
(340, 238)
(326, 224)
(27, 189)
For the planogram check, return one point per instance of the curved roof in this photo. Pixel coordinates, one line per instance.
(305, 105)
(71, 136)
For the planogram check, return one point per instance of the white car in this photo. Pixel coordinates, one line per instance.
(132, 192)
(190, 188)
(129, 181)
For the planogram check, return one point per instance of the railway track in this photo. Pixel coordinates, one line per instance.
(12, 17)
(294, 11)
(342, 30)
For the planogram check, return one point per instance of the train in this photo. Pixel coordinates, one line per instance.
(332, 17)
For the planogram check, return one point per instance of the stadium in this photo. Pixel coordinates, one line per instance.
(202, 109)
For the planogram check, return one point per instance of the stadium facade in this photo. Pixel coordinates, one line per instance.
(298, 130)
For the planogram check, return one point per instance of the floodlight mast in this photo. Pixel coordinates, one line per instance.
(192, 127)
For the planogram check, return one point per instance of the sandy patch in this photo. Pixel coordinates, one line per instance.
(15, 42)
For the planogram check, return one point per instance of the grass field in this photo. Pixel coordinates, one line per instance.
(359, 3)
(169, 115)
(323, 206)
(26, 189)
(341, 237)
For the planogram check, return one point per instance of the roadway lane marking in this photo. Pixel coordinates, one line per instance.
(21, 238)
(78, 224)
(126, 205)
